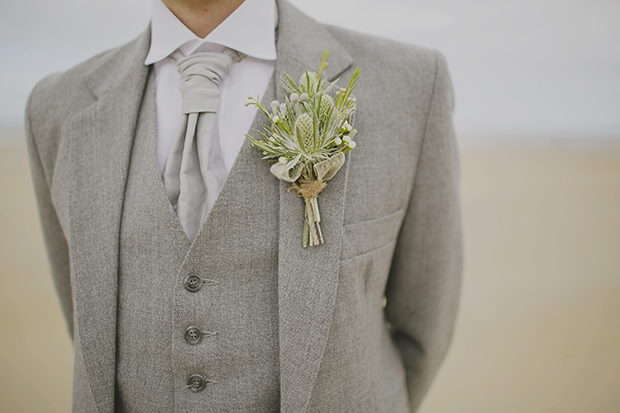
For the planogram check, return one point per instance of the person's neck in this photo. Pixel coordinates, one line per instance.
(202, 16)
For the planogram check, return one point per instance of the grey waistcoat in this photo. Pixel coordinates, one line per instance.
(236, 308)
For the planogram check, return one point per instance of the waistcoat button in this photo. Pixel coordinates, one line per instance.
(196, 382)
(192, 283)
(193, 335)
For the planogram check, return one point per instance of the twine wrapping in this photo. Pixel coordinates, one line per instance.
(308, 189)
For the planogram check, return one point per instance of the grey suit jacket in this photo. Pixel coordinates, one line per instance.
(391, 220)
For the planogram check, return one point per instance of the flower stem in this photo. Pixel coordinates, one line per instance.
(312, 230)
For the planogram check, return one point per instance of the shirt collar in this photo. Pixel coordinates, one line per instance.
(250, 30)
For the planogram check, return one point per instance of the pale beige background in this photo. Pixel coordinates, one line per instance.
(538, 329)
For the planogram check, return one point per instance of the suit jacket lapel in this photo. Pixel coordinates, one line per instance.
(101, 139)
(307, 278)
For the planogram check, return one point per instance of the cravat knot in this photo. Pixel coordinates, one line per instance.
(194, 173)
(201, 75)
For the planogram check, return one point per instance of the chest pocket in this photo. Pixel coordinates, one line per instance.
(366, 236)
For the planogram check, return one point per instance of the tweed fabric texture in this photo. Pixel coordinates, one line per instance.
(154, 360)
(239, 252)
(389, 232)
(149, 227)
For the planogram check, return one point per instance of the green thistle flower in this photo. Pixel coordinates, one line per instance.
(304, 126)
(326, 107)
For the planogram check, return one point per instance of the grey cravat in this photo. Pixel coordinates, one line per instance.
(194, 172)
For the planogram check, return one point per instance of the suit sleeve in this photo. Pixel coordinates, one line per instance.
(53, 235)
(425, 277)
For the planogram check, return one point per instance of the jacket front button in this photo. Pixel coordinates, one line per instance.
(196, 382)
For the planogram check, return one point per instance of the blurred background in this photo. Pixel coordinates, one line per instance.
(537, 115)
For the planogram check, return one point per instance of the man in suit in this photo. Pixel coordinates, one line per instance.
(241, 317)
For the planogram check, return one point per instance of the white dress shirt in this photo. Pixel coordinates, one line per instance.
(250, 30)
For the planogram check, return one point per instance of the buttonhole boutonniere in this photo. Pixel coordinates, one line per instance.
(307, 138)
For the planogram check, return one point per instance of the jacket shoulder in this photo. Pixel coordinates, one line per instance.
(398, 58)
(57, 98)
(405, 72)
(64, 91)
(53, 101)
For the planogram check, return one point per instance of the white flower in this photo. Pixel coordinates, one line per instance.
(346, 139)
(346, 126)
(282, 160)
(338, 141)
(352, 144)
(294, 98)
(283, 108)
(275, 105)
(304, 97)
(275, 119)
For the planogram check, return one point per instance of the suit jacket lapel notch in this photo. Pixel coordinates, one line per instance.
(101, 138)
(307, 278)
